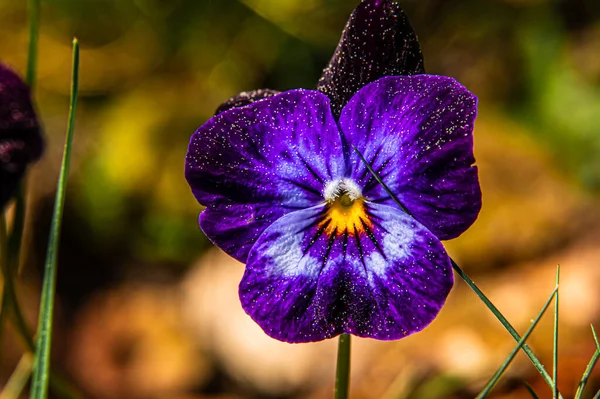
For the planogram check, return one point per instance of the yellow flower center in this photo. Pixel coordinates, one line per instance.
(346, 216)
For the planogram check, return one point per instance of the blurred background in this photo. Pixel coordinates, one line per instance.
(148, 309)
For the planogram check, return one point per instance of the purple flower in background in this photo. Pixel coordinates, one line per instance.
(327, 251)
(20, 137)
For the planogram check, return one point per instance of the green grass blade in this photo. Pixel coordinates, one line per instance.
(33, 8)
(18, 380)
(490, 385)
(18, 226)
(378, 178)
(342, 372)
(589, 368)
(60, 387)
(530, 390)
(586, 374)
(534, 360)
(506, 324)
(597, 395)
(16, 232)
(9, 295)
(3, 311)
(555, 341)
(16, 235)
(3, 267)
(595, 337)
(41, 367)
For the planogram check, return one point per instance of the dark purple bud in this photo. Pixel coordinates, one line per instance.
(20, 137)
(378, 41)
(245, 98)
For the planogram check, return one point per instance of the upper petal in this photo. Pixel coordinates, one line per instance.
(378, 41)
(253, 164)
(20, 135)
(384, 280)
(417, 133)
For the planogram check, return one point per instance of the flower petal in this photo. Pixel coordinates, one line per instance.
(388, 282)
(378, 41)
(417, 133)
(251, 165)
(20, 137)
(245, 98)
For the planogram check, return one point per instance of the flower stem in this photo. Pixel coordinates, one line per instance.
(342, 372)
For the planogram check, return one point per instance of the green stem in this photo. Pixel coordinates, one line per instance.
(342, 372)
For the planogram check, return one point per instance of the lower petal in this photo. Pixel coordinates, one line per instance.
(385, 279)
(406, 273)
(280, 288)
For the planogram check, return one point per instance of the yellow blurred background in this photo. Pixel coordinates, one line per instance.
(147, 309)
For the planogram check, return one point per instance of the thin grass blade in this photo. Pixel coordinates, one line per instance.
(3, 267)
(19, 378)
(505, 323)
(555, 341)
(16, 233)
(490, 385)
(378, 178)
(33, 10)
(60, 387)
(9, 295)
(589, 368)
(530, 390)
(41, 367)
(586, 374)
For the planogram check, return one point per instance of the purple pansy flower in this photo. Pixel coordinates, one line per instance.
(327, 251)
(20, 138)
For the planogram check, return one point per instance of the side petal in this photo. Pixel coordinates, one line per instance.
(251, 165)
(378, 41)
(245, 98)
(385, 281)
(417, 133)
